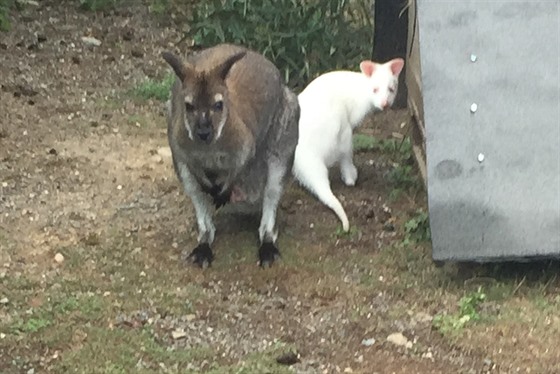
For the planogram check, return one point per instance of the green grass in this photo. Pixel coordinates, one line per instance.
(340, 233)
(98, 5)
(154, 89)
(5, 7)
(469, 306)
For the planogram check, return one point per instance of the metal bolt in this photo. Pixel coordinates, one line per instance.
(473, 58)
(474, 107)
(480, 157)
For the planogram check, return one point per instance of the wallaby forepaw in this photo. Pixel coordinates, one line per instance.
(202, 255)
(268, 253)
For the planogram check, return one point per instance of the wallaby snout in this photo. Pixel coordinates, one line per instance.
(204, 129)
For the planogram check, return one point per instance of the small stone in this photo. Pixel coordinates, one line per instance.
(397, 339)
(428, 355)
(4, 300)
(4, 184)
(89, 40)
(2, 335)
(178, 334)
(288, 358)
(137, 53)
(31, 371)
(59, 258)
(164, 152)
(422, 317)
(348, 370)
(157, 159)
(368, 342)
(190, 317)
(142, 274)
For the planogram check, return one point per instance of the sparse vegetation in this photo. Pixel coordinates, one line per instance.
(116, 214)
(417, 228)
(154, 89)
(469, 312)
(5, 8)
(97, 5)
(303, 38)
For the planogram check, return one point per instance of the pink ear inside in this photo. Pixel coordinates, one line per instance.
(367, 67)
(397, 65)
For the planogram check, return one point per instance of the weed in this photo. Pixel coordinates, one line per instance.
(417, 228)
(303, 38)
(5, 7)
(468, 312)
(363, 143)
(155, 89)
(340, 233)
(97, 5)
(32, 325)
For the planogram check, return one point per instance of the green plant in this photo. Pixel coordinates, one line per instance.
(362, 143)
(155, 89)
(469, 306)
(97, 5)
(340, 233)
(417, 228)
(303, 38)
(31, 325)
(5, 7)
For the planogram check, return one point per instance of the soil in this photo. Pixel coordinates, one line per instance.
(85, 171)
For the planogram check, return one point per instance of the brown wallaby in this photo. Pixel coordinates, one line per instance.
(233, 130)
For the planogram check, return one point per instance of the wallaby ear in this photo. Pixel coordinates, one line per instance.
(223, 69)
(397, 65)
(177, 65)
(367, 67)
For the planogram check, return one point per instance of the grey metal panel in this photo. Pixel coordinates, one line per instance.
(508, 205)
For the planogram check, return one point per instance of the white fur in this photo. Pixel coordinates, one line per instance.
(202, 207)
(271, 197)
(332, 106)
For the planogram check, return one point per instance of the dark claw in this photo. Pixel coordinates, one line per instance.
(268, 253)
(202, 255)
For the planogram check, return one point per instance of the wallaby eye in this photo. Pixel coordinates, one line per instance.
(189, 107)
(218, 106)
(375, 90)
(392, 89)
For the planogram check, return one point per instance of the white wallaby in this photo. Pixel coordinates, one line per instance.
(332, 106)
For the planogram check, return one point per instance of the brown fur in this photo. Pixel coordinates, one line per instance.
(232, 128)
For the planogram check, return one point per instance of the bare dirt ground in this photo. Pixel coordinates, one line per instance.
(93, 223)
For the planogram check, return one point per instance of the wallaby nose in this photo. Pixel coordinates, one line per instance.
(204, 133)
(384, 104)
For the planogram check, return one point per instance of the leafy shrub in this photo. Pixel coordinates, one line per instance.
(304, 38)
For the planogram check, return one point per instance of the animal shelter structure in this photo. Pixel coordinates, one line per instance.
(484, 92)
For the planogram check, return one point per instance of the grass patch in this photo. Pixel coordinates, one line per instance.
(258, 363)
(417, 228)
(5, 7)
(154, 89)
(98, 5)
(469, 306)
(340, 233)
(127, 351)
